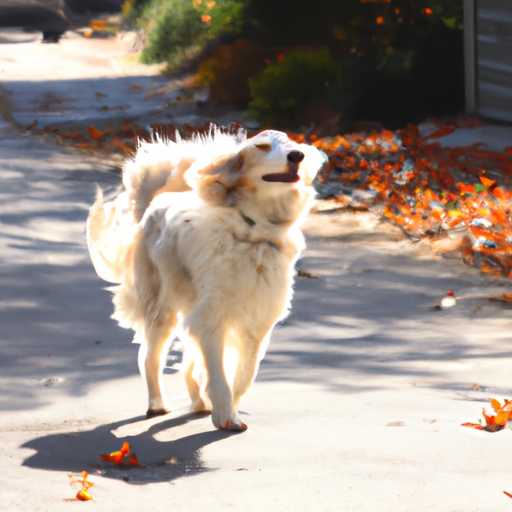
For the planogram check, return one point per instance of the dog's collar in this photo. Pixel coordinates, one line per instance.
(252, 223)
(248, 220)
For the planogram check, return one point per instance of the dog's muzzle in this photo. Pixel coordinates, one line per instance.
(292, 173)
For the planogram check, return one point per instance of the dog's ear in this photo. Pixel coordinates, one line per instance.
(216, 181)
(211, 190)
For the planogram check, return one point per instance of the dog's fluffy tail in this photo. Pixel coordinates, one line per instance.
(109, 236)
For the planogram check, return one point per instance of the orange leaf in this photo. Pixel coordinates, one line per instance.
(488, 419)
(473, 425)
(154, 92)
(114, 457)
(124, 147)
(501, 418)
(495, 404)
(98, 25)
(466, 189)
(83, 495)
(134, 461)
(135, 86)
(96, 134)
(72, 135)
(486, 182)
(31, 126)
(117, 457)
(440, 132)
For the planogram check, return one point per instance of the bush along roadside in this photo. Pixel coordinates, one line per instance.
(402, 60)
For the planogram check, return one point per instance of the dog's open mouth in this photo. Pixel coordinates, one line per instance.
(292, 173)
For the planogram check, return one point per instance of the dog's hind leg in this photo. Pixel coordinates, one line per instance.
(152, 358)
(196, 379)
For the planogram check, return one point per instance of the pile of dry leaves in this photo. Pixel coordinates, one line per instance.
(458, 197)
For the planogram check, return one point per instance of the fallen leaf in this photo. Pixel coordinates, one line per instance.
(97, 134)
(123, 146)
(473, 425)
(155, 92)
(134, 461)
(98, 25)
(72, 135)
(83, 494)
(134, 87)
(117, 457)
(486, 181)
(495, 422)
(505, 298)
(31, 126)
(121, 457)
(303, 273)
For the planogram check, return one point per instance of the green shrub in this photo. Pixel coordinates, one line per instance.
(285, 91)
(173, 28)
(177, 31)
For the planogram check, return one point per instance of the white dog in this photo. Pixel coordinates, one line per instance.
(206, 232)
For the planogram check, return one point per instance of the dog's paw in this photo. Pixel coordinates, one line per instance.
(236, 427)
(229, 423)
(153, 413)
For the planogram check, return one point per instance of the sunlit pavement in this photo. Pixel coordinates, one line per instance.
(357, 406)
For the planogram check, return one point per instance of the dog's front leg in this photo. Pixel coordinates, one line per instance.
(211, 342)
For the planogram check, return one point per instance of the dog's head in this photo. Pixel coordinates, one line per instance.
(266, 167)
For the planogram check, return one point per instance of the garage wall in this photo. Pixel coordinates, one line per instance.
(490, 95)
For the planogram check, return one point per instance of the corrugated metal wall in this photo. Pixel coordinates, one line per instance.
(493, 66)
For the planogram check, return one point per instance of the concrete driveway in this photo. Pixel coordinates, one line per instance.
(357, 406)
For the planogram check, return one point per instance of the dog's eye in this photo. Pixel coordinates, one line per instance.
(264, 147)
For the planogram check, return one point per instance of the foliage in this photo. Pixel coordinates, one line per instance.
(173, 28)
(285, 90)
(229, 68)
(179, 30)
(457, 197)
(132, 9)
(402, 60)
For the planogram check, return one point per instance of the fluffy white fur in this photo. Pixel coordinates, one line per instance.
(205, 231)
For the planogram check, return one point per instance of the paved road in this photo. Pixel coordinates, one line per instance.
(357, 406)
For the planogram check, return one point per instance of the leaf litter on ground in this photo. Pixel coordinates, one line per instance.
(123, 457)
(83, 494)
(494, 422)
(456, 197)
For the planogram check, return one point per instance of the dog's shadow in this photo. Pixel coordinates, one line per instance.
(77, 451)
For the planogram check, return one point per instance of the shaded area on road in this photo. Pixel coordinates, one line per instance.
(165, 461)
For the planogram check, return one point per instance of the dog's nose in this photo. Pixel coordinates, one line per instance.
(295, 157)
